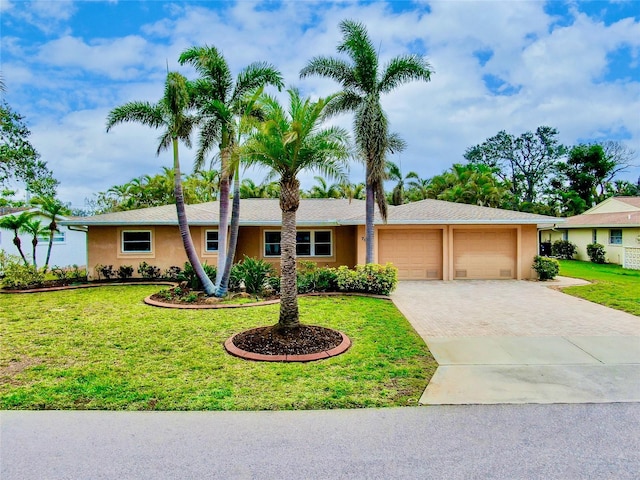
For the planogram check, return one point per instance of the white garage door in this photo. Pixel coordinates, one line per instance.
(416, 253)
(484, 254)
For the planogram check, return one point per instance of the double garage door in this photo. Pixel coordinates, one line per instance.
(477, 254)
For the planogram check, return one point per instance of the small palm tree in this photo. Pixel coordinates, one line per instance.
(35, 229)
(171, 114)
(16, 224)
(220, 101)
(362, 85)
(287, 143)
(53, 208)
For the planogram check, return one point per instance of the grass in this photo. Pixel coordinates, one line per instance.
(612, 286)
(102, 348)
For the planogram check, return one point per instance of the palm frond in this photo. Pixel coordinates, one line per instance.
(141, 112)
(403, 69)
(357, 44)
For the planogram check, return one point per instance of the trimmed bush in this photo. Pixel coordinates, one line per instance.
(150, 272)
(563, 249)
(105, 271)
(596, 252)
(312, 278)
(370, 278)
(172, 273)
(547, 268)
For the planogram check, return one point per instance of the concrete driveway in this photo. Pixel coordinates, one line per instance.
(522, 342)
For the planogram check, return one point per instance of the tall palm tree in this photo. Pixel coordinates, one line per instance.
(323, 189)
(16, 224)
(53, 208)
(35, 229)
(220, 101)
(287, 143)
(362, 85)
(171, 114)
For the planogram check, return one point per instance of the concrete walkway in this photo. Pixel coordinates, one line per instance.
(522, 342)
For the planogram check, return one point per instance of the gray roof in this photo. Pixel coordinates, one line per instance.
(318, 211)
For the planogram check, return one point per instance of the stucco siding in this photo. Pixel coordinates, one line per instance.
(582, 237)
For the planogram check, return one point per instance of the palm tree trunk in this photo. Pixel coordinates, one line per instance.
(223, 223)
(52, 229)
(369, 218)
(18, 243)
(289, 202)
(223, 286)
(183, 225)
(34, 244)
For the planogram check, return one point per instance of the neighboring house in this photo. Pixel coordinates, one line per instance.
(69, 245)
(431, 239)
(614, 223)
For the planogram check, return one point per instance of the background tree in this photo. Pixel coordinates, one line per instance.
(525, 161)
(19, 160)
(394, 173)
(172, 114)
(417, 188)
(362, 85)
(287, 143)
(220, 101)
(323, 190)
(15, 224)
(472, 184)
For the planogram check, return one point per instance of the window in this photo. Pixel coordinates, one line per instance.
(211, 241)
(136, 241)
(565, 235)
(58, 237)
(309, 243)
(615, 237)
(594, 236)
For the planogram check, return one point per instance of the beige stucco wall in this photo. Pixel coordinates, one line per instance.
(582, 237)
(104, 247)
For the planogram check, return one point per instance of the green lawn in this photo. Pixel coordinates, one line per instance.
(103, 348)
(612, 286)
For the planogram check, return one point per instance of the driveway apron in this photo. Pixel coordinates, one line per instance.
(508, 341)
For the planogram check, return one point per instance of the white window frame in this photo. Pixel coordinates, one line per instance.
(313, 232)
(59, 238)
(122, 241)
(206, 241)
(611, 237)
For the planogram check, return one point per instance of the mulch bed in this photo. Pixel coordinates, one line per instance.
(302, 340)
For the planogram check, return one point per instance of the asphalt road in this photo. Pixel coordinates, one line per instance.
(578, 441)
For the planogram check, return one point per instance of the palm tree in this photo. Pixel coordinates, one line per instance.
(287, 143)
(35, 229)
(171, 114)
(53, 208)
(323, 189)
(362, 85)
(16, 224)
(220, 100)
(417, 187)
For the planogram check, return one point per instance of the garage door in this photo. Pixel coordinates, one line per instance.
(416, 253)
(484, 254)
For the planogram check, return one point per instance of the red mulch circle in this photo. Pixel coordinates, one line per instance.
(301, 344)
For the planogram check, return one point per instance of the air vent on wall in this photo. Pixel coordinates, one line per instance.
(432, 274)
(461, 273)
(506, 273)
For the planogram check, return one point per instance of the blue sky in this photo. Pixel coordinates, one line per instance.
(499, 65)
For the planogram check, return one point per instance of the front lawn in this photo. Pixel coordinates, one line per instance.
(102, 348)
(612, 286)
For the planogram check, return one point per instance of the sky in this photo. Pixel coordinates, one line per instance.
(499, 65)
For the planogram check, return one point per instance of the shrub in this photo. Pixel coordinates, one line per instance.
(125, 272)
(370, 278)
(188, 274)
(547, 268)
(235, 278)
(77, 273)
(5, 260)
(18, 275)
(273, 284)
(149, 271)
(563, 249)
(254, 272)
(596, 252)
(105, 271)
(172, 273)
(60, 273)
(312, 278)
